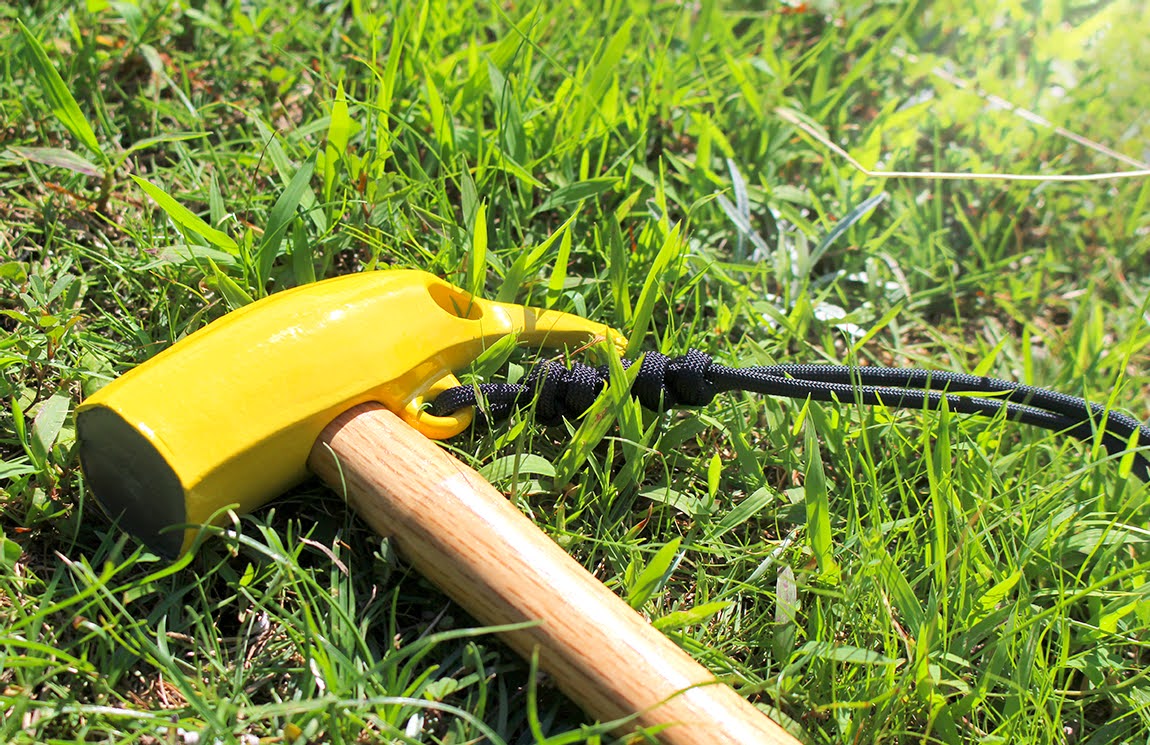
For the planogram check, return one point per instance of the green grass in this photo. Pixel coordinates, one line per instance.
(868, 576)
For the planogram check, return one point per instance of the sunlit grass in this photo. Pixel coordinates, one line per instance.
(864, 575)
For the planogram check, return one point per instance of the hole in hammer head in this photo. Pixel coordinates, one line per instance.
(455, 301)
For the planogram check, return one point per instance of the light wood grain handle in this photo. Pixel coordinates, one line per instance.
(467, 539)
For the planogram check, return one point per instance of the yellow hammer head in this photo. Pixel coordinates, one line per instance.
(228, 415)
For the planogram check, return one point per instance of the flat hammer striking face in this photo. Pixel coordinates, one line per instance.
(227, 416)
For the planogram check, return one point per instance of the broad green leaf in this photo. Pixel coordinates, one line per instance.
(57, 157)
(937, 452)
(891, 577)
(340, 129)
(233, 294)
(1108, 622)
(185, 218)
(714, 474)
(818, 507)
(185, 253)
(148, 142)
(744, 511)
(468, 196)
(62, 283)
(651, 579)
(47, 425)
(986, 364)
(495, 356)
(23, 318)
(338, 134)
(60, 99)
(786, 611)
(10, 552)
(623, 210)
(846, 653)
(510, 165)
(618, 260)
(995, 595)
(878, 326)
(683, 618)
(217, 210)
(287, 171)
(635, 442)
(746, 458)
(577, 192)
(1126, 462)
(602, 74)
(438, 114)
(745, 230)
(512, 466)
(387, 86)
(18, 423)
(692, 507)
(510, 118)
(421, 23)
(14, 271)
(10, 469)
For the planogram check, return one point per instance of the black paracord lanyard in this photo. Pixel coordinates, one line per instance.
(694, 379)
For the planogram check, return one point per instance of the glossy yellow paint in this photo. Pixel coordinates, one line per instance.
(235, 408)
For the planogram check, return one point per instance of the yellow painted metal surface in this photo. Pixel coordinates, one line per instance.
(235, 407)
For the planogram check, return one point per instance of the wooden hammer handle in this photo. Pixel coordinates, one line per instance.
(467, 539)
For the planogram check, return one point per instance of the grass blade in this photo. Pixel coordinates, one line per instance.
(645, 307)
(338, 133)
(185, 218)
(599, 80)
(846, 653)
(302, 266)
(845, 224)
(233, 294)
(287, 170)
(745, 230)
(596, 421)
(683, 618)
(477, 258)
(559, 270)
(60, 99)
(281, 217)
(577, 192)
(818, 507)
(786, 611)
(652, 577)
(528, 262)
(902, 594)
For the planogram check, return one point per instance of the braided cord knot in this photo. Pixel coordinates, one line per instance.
(694, 379)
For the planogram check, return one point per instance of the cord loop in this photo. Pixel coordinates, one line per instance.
(694, 380)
